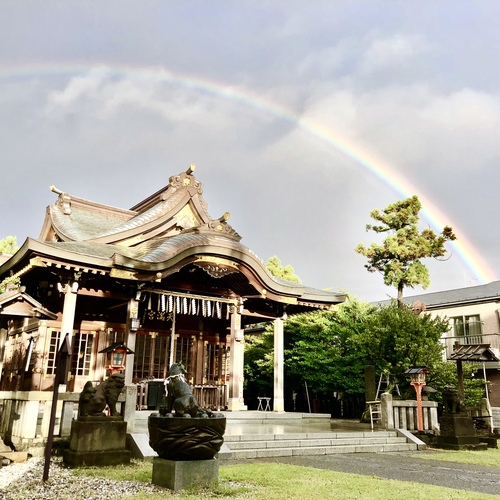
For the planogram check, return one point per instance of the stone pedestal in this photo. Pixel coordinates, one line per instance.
(457, 433)
(97, 441)
(179, 475)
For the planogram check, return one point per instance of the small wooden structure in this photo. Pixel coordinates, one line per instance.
(474, 353)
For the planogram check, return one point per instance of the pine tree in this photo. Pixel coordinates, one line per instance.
(399, 256)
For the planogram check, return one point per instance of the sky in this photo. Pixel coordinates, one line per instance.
(301, 118)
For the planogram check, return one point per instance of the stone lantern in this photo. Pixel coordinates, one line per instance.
(116, 355)
(417, 380)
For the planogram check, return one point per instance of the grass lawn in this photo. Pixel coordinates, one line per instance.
(489, 457)
(281, 481)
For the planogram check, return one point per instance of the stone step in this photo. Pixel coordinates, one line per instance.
(286, 445)
(309, 435)
(496, 417)
(308, 443)
(314, 450)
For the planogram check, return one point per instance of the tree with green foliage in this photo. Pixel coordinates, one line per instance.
(397, 338)
(399, 256)
(274, 266)
(445, 373)
(11, 279)
(259, 364)
(9, 245)
(319, 351)
(329, 350)
(321, 348)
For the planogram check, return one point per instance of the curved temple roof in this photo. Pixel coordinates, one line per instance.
(153, 240)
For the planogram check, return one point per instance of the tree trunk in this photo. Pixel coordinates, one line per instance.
(400, 296)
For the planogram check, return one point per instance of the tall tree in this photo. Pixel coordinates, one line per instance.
(322, 348)
(397, 338)
(399, 256)
(9, 245)
(274, 266)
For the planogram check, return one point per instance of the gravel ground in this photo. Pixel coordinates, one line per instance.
(23, 481)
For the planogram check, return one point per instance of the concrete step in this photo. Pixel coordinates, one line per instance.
(496, 417)
(308, 443)
(285, 445)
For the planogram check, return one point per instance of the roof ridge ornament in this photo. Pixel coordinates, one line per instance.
(220, 226)
(216, 267)
(64, 200)
(186, 180)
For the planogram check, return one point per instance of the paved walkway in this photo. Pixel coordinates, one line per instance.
(259, 422)
(395, 465)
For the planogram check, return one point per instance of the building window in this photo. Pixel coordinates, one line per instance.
(31, 354)
(82, 353)
(151, 356)
(160, 356)
(114, 336)
(142, 356)
(469, 328)
(183, 354)
(55, 338)
(215, 358)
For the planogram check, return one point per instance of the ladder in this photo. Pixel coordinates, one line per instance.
(375, 412)
(383, 383)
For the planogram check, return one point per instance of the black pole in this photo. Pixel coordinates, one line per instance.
(50, 438)
(60, 378)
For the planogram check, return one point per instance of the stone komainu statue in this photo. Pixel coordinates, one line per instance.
(180, 399)
(93, 400)
(451, 401)
(175, 437)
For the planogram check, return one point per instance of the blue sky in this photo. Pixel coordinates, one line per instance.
(106, 100)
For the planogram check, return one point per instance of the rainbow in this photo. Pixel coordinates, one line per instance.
(471, 257)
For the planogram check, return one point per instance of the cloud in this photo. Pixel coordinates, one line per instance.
(392, 53)
(256, 95)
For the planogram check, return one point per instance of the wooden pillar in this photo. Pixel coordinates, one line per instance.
(68, 322)
(236, 363)
(200, 359)
(132, 312)
(278, 400)
(68, 315)
(370, 383)
(460, 377)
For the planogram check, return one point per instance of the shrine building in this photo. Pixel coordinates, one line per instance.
(162, 279)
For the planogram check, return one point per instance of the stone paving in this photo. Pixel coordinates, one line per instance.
(403, 466)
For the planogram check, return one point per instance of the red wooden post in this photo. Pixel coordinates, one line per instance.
(417, 380)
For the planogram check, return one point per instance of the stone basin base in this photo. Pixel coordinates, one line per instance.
(179, 475)
(97, 441)
(186, 438)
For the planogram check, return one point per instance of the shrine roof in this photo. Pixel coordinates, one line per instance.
(473, 352)
(83, 224)
(16, 302)
(165, 232)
